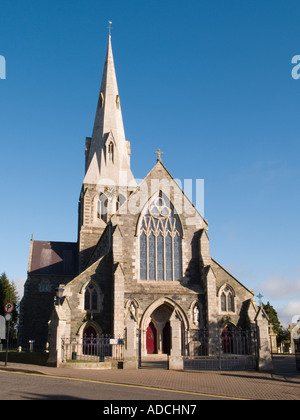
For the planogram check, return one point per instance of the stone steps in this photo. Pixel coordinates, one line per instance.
(155, 358)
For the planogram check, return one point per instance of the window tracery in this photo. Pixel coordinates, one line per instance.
(160, 242)
(227, 299)
(91, 298)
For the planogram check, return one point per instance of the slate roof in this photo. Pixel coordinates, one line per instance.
(54, 258)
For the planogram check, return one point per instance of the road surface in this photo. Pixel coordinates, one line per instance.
(26, 386)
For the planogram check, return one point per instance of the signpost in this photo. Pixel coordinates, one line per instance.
(8, 308)
(2, 330)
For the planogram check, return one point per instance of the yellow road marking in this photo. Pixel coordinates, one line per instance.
(128, 385)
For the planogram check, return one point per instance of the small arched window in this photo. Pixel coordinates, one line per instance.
(102, 207)
(111, 151)
(91, 298)
(227, 299)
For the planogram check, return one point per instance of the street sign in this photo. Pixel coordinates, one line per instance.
(2, 328)
(8, 317)
(9, 307)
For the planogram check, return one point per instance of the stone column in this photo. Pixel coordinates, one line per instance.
(53, 350)
(265, 363)
(58, 330)
(176, 359)
(118, 303)
(130, 355)
(212, 311)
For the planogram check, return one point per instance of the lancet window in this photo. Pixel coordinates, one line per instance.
(111, 151)
(227, 299)
(91, 298)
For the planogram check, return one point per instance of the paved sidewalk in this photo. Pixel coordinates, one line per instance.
(283, 384)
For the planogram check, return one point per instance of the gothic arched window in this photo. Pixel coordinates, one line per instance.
(227, 299)
(91, 298)
(160, 242)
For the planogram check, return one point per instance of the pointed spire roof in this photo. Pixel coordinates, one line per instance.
(109, 115)
(108, 132)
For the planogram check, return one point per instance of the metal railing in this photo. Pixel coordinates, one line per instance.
(217, 349)
(98, 348)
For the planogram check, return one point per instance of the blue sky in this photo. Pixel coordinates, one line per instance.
(209, 82)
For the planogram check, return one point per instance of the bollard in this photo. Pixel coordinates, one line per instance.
(31, 343)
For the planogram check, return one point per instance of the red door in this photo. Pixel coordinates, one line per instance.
(227, 341)
(151, 339)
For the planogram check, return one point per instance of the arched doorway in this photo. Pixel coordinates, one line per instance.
(151, 339)
(227, 340)
(89, 342)
(161, 314)
(161, 318)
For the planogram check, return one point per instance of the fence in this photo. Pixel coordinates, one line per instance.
(225, 349)
(98, 348)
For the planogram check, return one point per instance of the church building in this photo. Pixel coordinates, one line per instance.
(141, 269)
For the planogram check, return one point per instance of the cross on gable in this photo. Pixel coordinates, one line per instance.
(159, 153)
(260, 296)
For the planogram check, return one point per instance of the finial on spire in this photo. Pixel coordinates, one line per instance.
(109, 27)
(159, 153)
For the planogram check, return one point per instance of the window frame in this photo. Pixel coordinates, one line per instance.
(227, 298)
(164, 225)
(91, 289)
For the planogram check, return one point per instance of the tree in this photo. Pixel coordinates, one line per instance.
(8, 293)
(282, 334)
(273, 317)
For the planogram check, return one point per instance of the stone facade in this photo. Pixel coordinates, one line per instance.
(144, 270)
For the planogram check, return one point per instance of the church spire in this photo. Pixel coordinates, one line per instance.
(108, 152)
